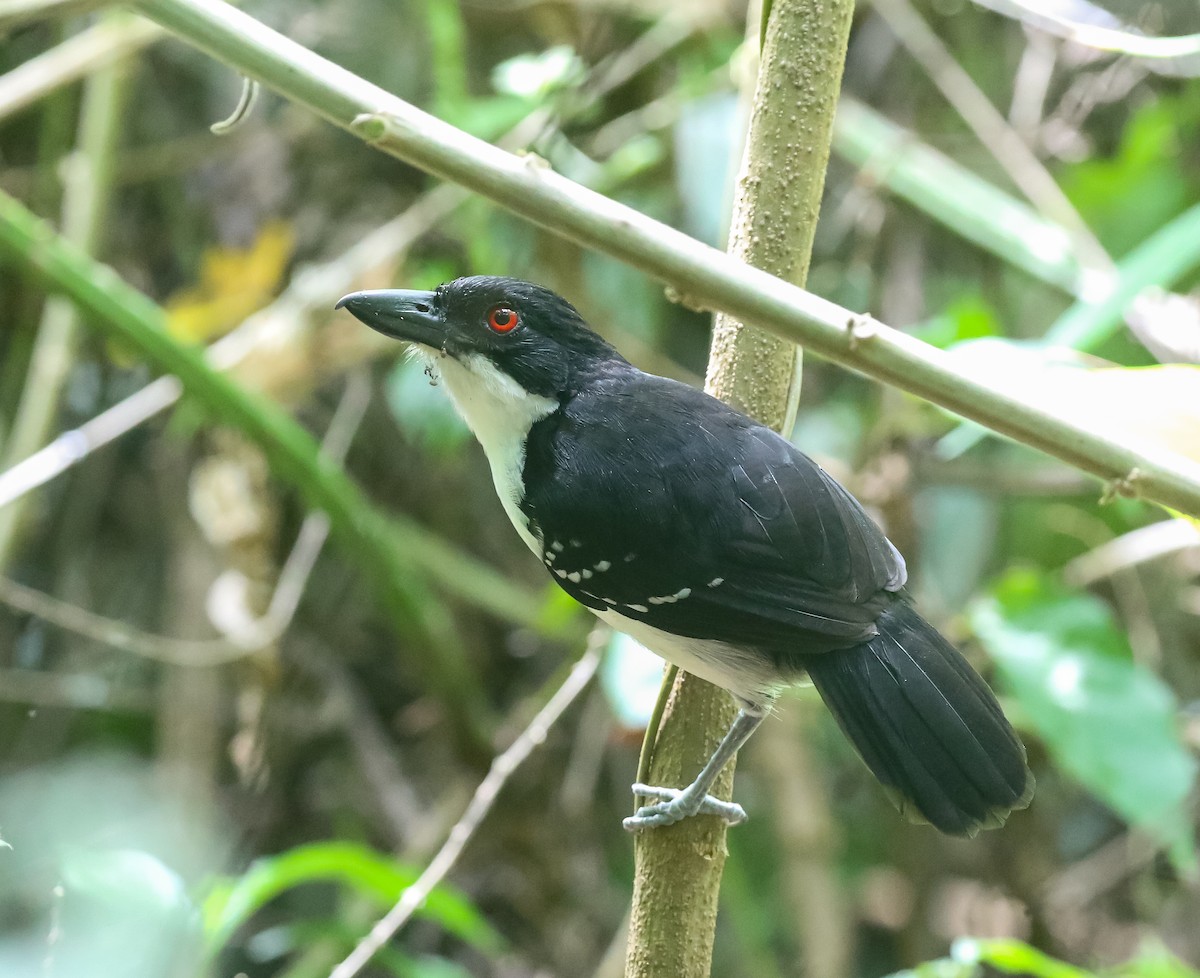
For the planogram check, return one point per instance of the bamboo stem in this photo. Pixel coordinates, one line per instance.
(678, 869)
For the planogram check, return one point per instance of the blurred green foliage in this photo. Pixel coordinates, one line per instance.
(970, 957)
(1108, 721)
(333, 734)
(1148, 178)
(231, 902)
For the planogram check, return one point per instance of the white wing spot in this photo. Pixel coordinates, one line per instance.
(586, 573)
(573, 577)
(603, 566)
(637, 607)
(557, 546)
(576, 543)
(682, 593)
(716, 582)
(561, 573)
(608, 600)
(658, 600)
(629, 557)
(550, 555)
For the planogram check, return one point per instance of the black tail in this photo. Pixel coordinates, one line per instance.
(926, 724)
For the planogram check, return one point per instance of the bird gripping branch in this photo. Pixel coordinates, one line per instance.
(715, 543)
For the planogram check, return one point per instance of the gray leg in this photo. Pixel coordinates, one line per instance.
(676, 804)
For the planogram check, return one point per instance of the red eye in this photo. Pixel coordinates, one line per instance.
(502, 319)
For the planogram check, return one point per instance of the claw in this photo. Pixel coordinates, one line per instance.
(676, 805)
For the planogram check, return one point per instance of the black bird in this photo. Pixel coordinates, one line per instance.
(712, 541)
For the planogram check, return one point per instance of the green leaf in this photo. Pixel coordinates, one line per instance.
(1129, 195)
(1018, 958)
(938, 968)
(534, 76)
(1014, 957)
(233, 901)
(1108, 721)
(967, 318)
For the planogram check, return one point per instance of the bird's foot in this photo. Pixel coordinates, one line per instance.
(677, 804)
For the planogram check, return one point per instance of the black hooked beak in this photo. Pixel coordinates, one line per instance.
(403, 314)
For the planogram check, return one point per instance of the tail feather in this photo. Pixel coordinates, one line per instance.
(926, 724)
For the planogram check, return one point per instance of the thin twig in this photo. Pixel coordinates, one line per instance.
(993, 130)
(73, 59)
(1084, 94)
(87, 196)
(1130, 549)
(116, 634)
(14, 13)
(243, 635)
(73, 691)
(233, 618)
(72, 447)
(1178, 56)
(481, 803)
(1031, 84)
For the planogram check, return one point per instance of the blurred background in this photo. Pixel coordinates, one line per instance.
(226, 749)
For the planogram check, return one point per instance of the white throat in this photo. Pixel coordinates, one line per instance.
(500, 413)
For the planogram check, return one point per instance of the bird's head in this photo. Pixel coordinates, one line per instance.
(499, 329)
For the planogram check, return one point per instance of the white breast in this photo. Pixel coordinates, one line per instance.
(500, 413)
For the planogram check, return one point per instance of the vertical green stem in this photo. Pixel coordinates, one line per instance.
(678, 869)
(87, 192)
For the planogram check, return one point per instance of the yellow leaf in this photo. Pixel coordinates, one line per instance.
(234, 282)
(1137, 404)
(1152, 407)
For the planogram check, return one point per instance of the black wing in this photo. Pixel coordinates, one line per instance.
(759, 547)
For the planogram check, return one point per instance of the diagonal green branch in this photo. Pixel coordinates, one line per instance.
(397, 558)
(702, 275)
(1165, 257)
